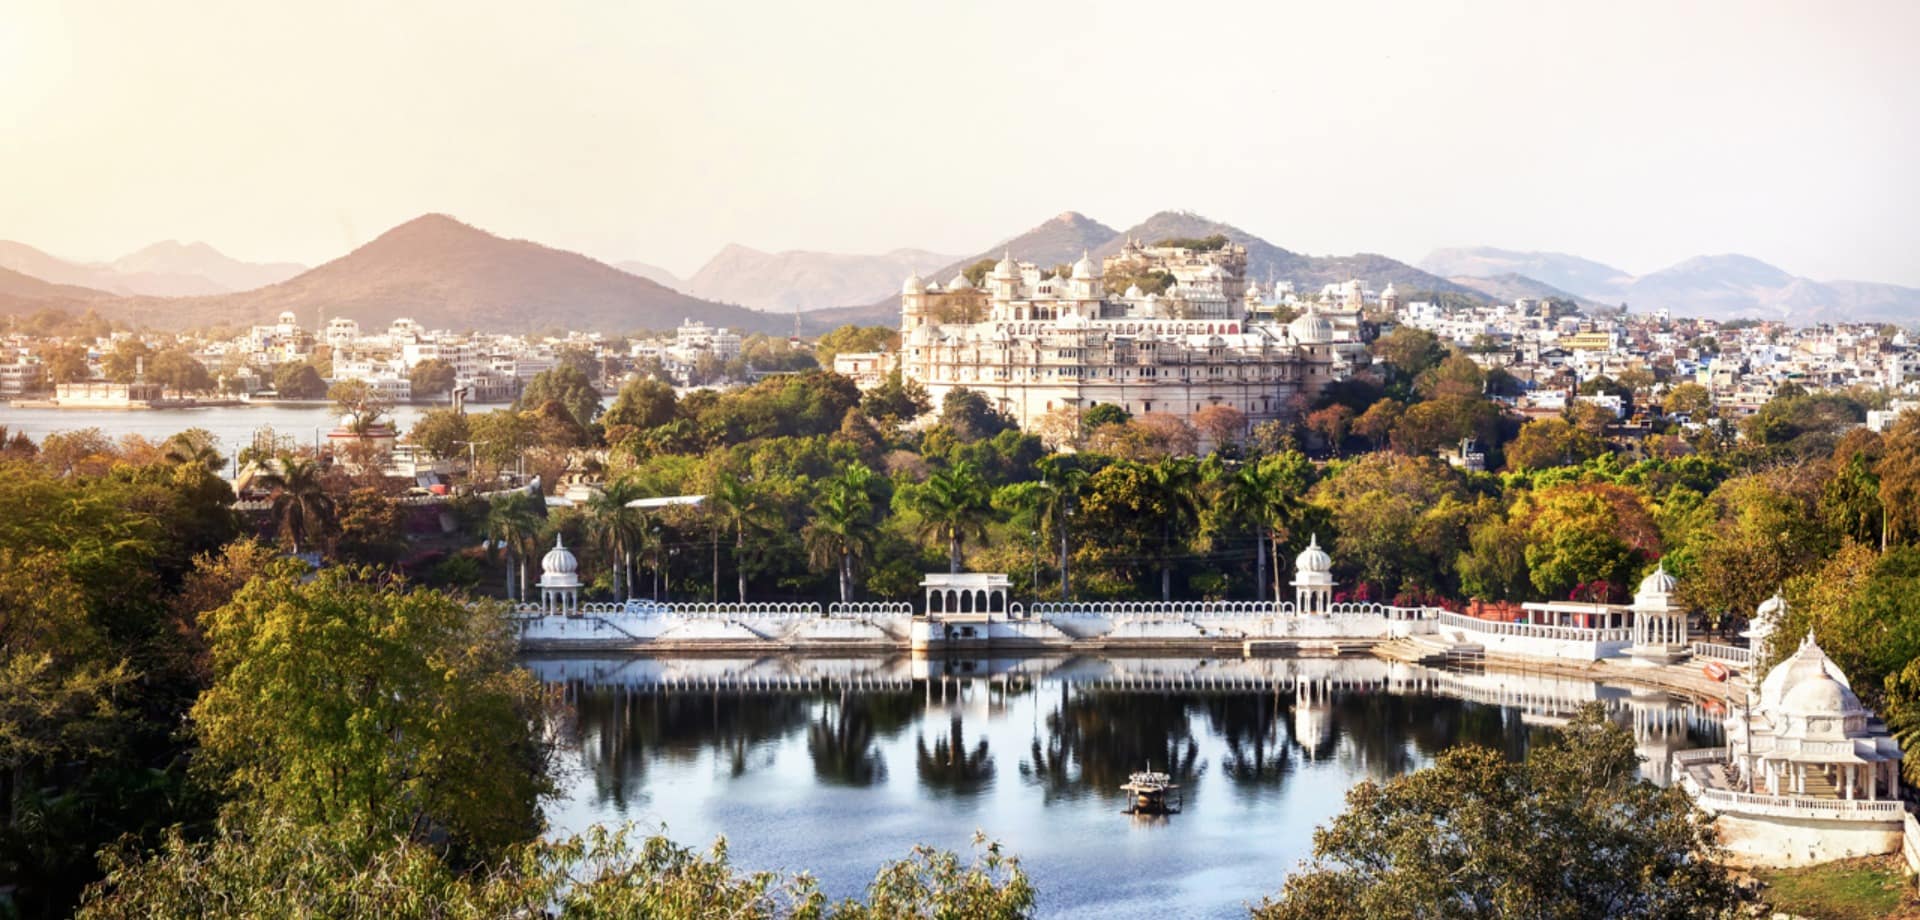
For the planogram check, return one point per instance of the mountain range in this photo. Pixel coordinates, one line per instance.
(165, 269)
(1063, 239)
(1719, 286)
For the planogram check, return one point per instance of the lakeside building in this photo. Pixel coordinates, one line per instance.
(1037, 342)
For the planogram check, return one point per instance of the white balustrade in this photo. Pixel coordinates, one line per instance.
(1532, 630)
(1731, 654)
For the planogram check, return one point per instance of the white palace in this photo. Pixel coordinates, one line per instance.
(1035, 341)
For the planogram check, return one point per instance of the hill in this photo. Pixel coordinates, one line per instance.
(1060, 240)
(23, 293)
(653, 273)
(168, 269)
(1511, 287)
(1573, 274)
(1267, 262)
(1723, 286)
(799, 280)
(446, 274)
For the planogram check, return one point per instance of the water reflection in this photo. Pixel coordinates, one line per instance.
(836, 765)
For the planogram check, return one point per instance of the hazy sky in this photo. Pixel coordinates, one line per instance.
(1636, 134)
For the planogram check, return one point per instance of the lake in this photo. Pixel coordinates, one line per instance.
(233, 425)
(835, 765)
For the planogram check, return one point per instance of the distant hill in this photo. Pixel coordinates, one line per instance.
(168, 269)
(786, 281)
(653, 273)
(445, 274)
(1573, 274)
(1268, 262)
(1719, 286)
(1510, 287)
(23, 293)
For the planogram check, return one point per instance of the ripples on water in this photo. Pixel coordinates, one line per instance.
(836, 765)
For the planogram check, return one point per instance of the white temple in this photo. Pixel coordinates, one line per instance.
(1807, 734)
(559, 580)
(1659, 627)
(1313, 579)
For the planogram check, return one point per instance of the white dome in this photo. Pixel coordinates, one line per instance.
(1133, 292)
(1659, 582)
(1084, 269)
(1821, 696)
(914, 285)
(1310, 328)
(921, 335)
(1005, 269)
(1806, 663)
(1313, 558)
(1772, 607)
(558, 561)
(959, 283)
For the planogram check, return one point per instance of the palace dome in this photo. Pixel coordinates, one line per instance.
(1313, 558)
(1084, 270)
(1820, 696)
(960, 283)
(914, 285)
(1005, 269)
(1310, 328)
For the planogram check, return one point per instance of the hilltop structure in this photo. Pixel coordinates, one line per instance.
(1170, 329)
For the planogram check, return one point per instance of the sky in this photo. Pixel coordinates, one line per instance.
(1637, 134)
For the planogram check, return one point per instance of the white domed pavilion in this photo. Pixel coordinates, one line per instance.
(559, 579)
(1313, 579)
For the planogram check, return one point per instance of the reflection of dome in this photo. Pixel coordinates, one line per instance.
(914, 285)
(1313, 558)
(559, 569)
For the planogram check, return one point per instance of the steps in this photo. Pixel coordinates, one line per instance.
(1440, 652)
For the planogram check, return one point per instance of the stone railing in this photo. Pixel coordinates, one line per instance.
(869, 610)
(1533, 631)
(1195, 610)
(1796, 806)
(1731, 654)
(767, 611)
(1684, 759)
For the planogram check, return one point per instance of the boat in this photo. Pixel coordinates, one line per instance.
(1716, 670)
(1148, 792)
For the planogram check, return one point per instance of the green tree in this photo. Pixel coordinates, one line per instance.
(1570, 832)
(896, 401)
(842, 529)
(303, 510)
(616, 529)
(512, 525)
(567, 385)
(360, 404)
(123, 363)
(362, 709)
(1266, 496)
(954, 505)
(1689, 399)
(737, 505)
(641, 407)
(430, 378)
(1410, 351)
(970, 417)
(852, 338)
(298, 381)
(443, 433)
(1546, 442)
(65, 363)
(179, 371)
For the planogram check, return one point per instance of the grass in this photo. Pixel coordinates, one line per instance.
(1873, 888)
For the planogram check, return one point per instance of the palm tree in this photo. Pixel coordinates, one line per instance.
(193, 447)
(1176, 487)
(1250, 496)
(953, 505)
(736, 505)
(616, 528)
(1060, 488)
(301, 507)
(513, 521)
(842, 530)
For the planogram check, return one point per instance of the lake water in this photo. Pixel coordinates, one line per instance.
(233, 425)
(836, 765)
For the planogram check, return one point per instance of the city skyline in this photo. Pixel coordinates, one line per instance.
(1636, 137)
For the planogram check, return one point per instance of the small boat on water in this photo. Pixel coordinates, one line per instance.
(1148, 793)
(1715, 670)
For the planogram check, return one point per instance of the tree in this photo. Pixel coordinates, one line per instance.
(65, 363)
(372, 527)
(430, 378)
(852, 338)
(1265, 497)
(843, 528)
(301, 507)
(1378, 422)
(954, 505)
(1175, 484)
(1571, 831)
(1223, 426)
(970, 417)
(1331, 424)
(123, 363)
(616, 529)
(180, 372)
(737, 506)
(361, 709)
(568, 385)
(896, 401)
(1583, 534)
(443, 433)
(1546, 442)
(1409, 350)
(1689, 399)
(298, 381)
(641, 407)
(361, 405)
(512, 524)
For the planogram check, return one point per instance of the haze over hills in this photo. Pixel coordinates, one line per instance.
(23, 293)
(796, 279)
(1062, 240)
(446, 274)
(1510, 287)
(1719, 286)
(653, 273)
(166, 269)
